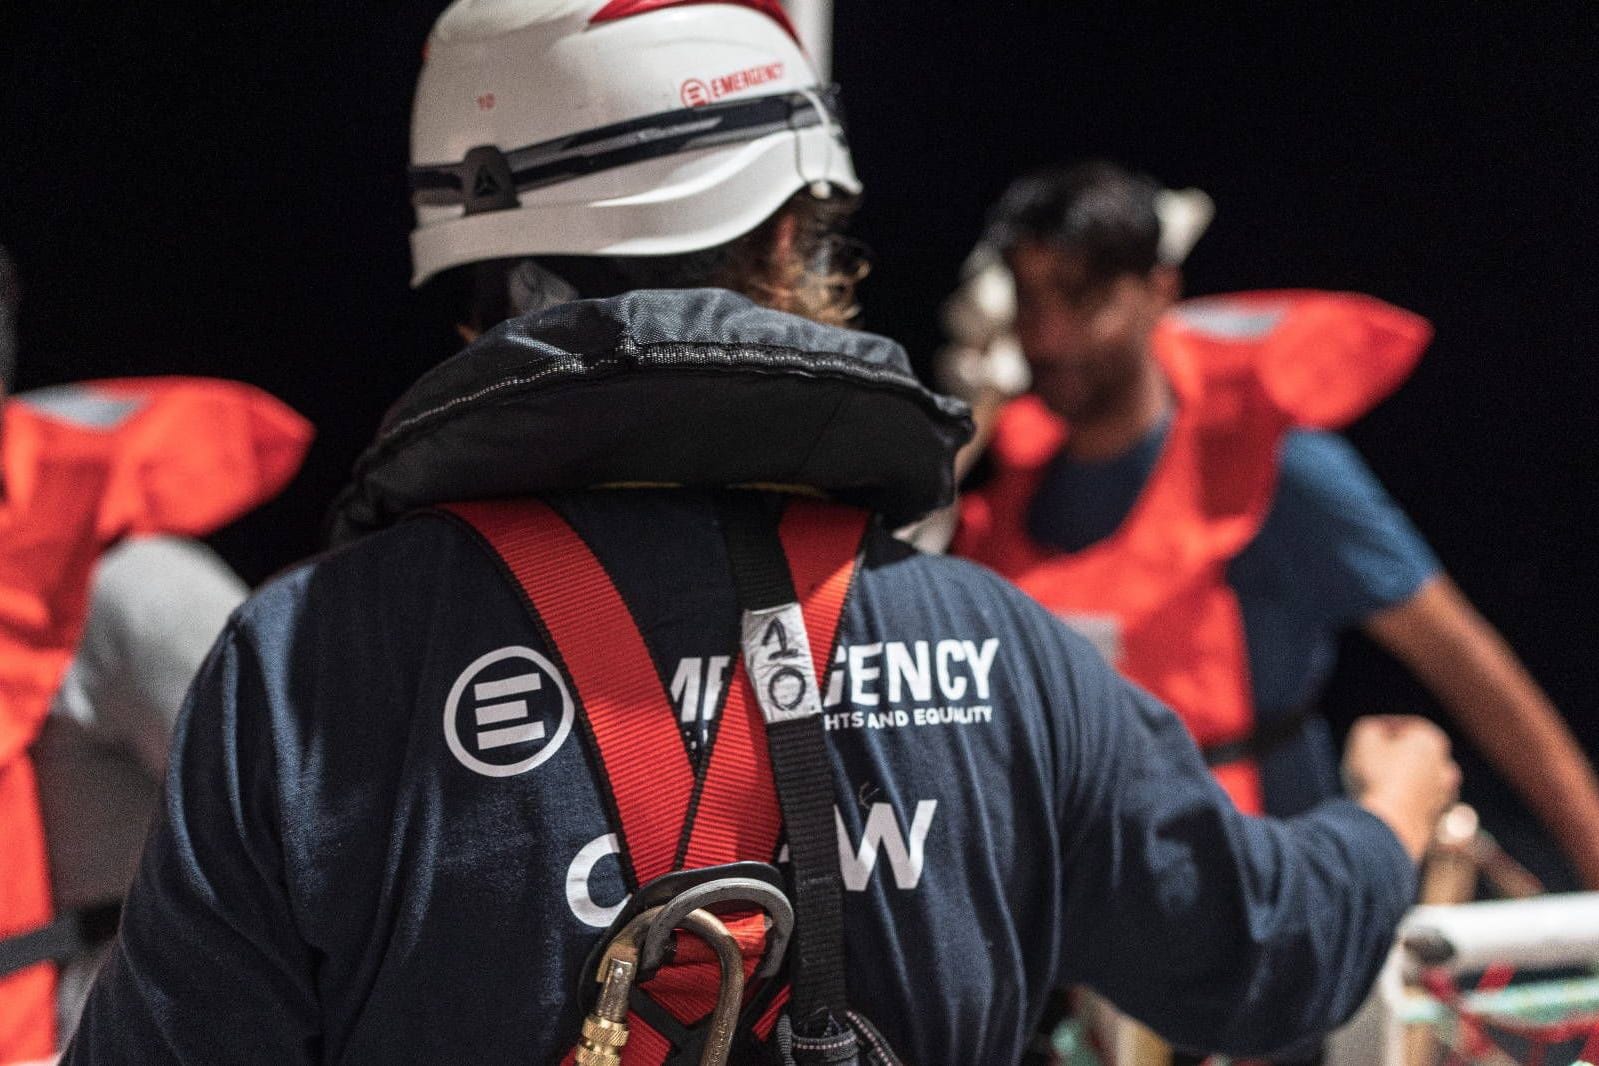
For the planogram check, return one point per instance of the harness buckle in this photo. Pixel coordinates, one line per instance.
(745, 890)
(663, 890)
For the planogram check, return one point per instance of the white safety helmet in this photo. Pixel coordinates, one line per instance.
(612, 128)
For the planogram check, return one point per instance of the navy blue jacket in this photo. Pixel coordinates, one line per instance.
(340, 876)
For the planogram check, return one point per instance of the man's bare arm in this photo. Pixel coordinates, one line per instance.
(1464, 661)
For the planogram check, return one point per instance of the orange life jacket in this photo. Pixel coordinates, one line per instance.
(85, 466)
(1244, 369)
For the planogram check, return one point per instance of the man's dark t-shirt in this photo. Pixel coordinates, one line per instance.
(358, 863)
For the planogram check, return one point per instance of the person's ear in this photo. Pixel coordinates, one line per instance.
(778, 272)
(785, 234)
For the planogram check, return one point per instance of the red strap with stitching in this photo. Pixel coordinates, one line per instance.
(633, 725)
(628, 713)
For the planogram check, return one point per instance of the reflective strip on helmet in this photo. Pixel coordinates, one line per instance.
(622, 9)
(578, 155)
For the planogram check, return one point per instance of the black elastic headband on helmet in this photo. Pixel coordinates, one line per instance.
(489, 179)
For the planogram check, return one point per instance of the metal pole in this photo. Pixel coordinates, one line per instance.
(814, 21)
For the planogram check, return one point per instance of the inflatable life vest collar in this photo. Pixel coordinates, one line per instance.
(697, 387)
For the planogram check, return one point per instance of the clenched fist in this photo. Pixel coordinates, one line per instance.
(1399, 768)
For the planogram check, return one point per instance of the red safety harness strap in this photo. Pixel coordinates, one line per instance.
(624, 708)
(730, 812)
(821, 542)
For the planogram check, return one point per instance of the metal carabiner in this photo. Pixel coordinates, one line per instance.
(605, 1029)
(723, 1024)
(642, 946)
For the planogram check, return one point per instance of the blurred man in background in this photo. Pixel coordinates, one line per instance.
(1170, 486)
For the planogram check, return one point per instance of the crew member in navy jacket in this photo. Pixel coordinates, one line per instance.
(353, 866)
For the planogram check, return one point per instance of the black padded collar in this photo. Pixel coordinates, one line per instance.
(696, 387)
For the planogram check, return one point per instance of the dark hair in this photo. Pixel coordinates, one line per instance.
(1096, 210)
(817, 281)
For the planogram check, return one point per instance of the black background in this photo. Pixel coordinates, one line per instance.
(215, 189)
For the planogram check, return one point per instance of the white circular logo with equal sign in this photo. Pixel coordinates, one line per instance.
(507, 712)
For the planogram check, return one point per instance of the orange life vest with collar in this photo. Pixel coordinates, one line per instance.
(1244, 369)
(84, 466)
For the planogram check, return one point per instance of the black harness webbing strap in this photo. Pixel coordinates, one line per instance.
(72, 933)
(1266, 738)
(803, 774)
(805, 793)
